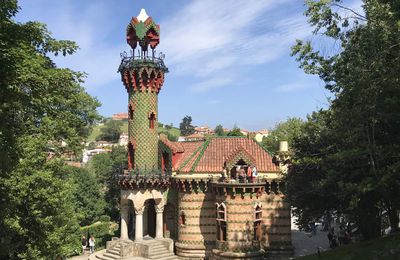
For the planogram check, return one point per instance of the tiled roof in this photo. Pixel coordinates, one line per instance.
(175, 147)
(209, 156)
(189, 149)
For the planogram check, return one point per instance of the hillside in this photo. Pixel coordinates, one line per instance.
(124, 128)
(387, 248)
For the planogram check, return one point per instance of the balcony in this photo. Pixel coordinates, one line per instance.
(142, 61)
(131, 179)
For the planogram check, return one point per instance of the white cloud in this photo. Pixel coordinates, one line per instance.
(207, 37)
(211, 83)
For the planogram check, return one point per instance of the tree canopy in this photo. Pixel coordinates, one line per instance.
(355, 158)
(111, 131)
(41, 106)
(284, 131)
(186, 126)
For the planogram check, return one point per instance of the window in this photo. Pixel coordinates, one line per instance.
(130, 109)
(131, 156)
(152, 120)
(182, 219)
(257, 222)
(221, 222)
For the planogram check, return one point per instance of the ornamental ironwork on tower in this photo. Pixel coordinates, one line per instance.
(143, 76)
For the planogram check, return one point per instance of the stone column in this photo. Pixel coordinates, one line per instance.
(139, 223)
(124, 221)
(159, 221)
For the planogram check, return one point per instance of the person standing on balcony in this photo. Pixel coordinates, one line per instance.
(254, 173)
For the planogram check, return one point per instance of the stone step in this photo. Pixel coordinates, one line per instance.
(102, 257)
(163, 256)
(112, 256)
(114, 252)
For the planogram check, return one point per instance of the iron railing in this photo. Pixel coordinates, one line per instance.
(144, 60)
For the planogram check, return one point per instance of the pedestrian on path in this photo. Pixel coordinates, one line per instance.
(84, 244)
(91, 244)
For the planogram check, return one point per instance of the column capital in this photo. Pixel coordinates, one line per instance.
(139, 210)
(159, 208)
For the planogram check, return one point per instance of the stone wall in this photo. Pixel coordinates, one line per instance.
(196, 237)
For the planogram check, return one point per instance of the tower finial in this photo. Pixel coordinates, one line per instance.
(142, 17)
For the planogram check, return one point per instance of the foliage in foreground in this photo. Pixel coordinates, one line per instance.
(40, 106)
(387, 248)
(346, 159)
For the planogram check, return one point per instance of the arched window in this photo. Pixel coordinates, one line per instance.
(182, 219)
(152, 120)
(131, 156)
(130, 109)
(221, 222)
(257, 222)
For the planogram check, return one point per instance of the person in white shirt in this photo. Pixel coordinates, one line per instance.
(91, 244)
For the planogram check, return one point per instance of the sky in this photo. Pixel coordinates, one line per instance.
(229, 61)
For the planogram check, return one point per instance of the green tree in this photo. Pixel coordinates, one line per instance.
(40, 106)
(284, 131)
(87, 194)
(111, 131)
(235, 132)
(363, 76)
(107, 167)
(186, 126)
(219, 130)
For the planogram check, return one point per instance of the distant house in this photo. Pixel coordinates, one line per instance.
(192, 137)
(88, 154)
(123, 139)
(261, 134)
(245, 132)
(101, 144)
(120, 116)
(204, 130)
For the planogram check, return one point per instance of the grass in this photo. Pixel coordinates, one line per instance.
(387, 248)
(124, 128)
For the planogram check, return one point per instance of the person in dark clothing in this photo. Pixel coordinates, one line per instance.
(84, 244)
(330, 237)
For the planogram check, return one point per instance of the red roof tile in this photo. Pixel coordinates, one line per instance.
(211, 155)
(188, 150)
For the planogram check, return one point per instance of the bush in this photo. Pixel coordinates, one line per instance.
(102, 232)
(104, 218)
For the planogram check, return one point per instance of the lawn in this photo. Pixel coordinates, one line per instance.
(387, 248)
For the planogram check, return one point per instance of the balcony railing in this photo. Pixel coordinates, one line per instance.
(239, 180)
(144, 60)
(145, 175)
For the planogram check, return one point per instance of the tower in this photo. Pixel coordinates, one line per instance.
(143, 76)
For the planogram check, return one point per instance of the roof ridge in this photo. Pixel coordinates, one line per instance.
(239, 150)
(190, 157)
(205, 145)
(264, 148)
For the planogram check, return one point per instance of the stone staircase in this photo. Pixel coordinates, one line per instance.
(110, 254)
(155, 250)
(160, 251)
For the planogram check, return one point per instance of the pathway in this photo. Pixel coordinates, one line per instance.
(305, 244)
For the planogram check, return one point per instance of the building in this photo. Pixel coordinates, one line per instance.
(204, 130)
(123, 139)
(261, 134)
(120, 116)
(191, 198)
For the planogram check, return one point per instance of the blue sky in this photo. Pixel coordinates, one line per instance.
(229, 61)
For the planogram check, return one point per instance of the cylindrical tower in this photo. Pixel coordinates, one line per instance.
(143, 77)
